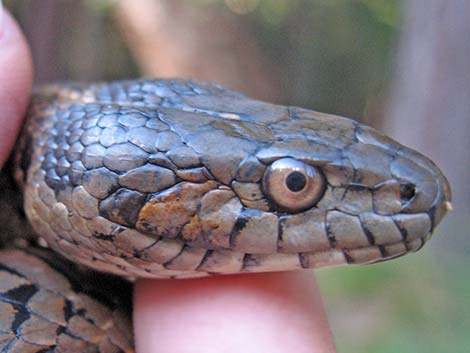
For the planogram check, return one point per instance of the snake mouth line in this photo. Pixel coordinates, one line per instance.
(337, 257)
(315, 260)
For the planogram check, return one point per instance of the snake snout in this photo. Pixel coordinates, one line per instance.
(426, 189)
(423, 186)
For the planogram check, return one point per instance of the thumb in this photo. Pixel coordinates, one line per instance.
(16, 75)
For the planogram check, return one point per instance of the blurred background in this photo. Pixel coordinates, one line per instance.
(400, 66)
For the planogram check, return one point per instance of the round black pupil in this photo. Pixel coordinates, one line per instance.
(296, 181)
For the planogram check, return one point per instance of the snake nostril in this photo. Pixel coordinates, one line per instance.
(407, 192)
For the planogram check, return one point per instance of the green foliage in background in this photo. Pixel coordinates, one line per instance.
(413, 304)
(337, 55)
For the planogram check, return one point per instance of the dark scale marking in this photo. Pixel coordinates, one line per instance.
(205, 257)
(403, 231)
(367, 232)
(387, 257)
(179, 253)
(304, 261)
(102, 236)
(382, 250)
(69, 311)
(249, 260)
(348, 258)
(22, 293)
(47, 350)
(279, 233)
(82, 312)
(22, 314)
(10, 270)
(60, 329)
(8, 344)
(241, 222)
(329, 235)
(123, 206)
(419, 247)
(245, 215)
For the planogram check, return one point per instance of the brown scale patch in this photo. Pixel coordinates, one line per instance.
(167, 212)
(192, 229)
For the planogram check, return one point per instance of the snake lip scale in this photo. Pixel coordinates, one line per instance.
(180, 178)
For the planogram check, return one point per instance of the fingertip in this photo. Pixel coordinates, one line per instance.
(16, 76)
(271, 312)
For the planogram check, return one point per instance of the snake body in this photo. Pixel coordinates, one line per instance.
(179, 178)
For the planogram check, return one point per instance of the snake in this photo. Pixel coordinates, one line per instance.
(177, 178)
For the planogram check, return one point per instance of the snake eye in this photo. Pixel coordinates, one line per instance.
(293, 185)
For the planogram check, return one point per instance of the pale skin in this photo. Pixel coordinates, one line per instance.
(272, 312)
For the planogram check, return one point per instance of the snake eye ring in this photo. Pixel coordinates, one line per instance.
(293, 185)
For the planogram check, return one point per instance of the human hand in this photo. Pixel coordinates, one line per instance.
(16, 75)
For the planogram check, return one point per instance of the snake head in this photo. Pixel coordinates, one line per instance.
(380, 200)
(179, 178)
